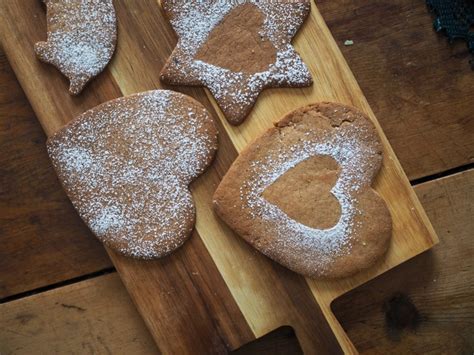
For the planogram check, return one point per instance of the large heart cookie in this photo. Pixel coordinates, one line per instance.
(301, 193)
(236, 49)
(81, 39)
(127, 164)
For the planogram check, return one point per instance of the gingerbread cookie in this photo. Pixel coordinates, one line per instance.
(126, 166)
(301, 193)
(236, 49)
(81, 39)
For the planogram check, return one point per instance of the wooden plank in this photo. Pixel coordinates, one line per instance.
(94, 317)
(440, 276)
(419, 86)
(281, 341)
(427, 304)
(278, 296)
(280, 309)
(185, 302)
(43, 239)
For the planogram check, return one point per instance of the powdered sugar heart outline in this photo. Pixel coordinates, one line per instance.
(344, 147)
(362, 234)
(235, 92)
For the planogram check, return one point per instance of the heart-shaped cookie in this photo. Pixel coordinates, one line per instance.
(237, 44)
(126, 166)
(312, 203)
(317, 161)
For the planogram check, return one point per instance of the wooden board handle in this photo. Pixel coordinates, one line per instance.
(190, 310)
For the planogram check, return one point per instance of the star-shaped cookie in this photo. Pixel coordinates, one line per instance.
(236, 49)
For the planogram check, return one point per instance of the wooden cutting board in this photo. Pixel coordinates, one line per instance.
(217, 293)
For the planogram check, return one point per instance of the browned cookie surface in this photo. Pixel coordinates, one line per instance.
(301, 193)
(126, 166)
(236, 49)
(81, 39)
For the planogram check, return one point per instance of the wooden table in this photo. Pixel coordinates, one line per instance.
(61, 294)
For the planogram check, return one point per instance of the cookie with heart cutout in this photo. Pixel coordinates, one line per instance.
(81, 39)
(127, 164)
(236, 49)
(301, 193)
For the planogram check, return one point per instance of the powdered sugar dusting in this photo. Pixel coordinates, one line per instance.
(320, 246)
(127, 165)
(81, 38)
(77, 159)
(236, 92)
(108, 219)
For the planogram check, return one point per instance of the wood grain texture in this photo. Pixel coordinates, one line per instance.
(89, 317)
(202, 324)
(419, 86)
(425, 305)
(97, 317)
(277, 296)
(43, 239)
(439, 289)
(281, 341)
(435, 60)
(185, 302)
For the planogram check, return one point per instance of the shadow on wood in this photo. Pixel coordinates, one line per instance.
(280, 341)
